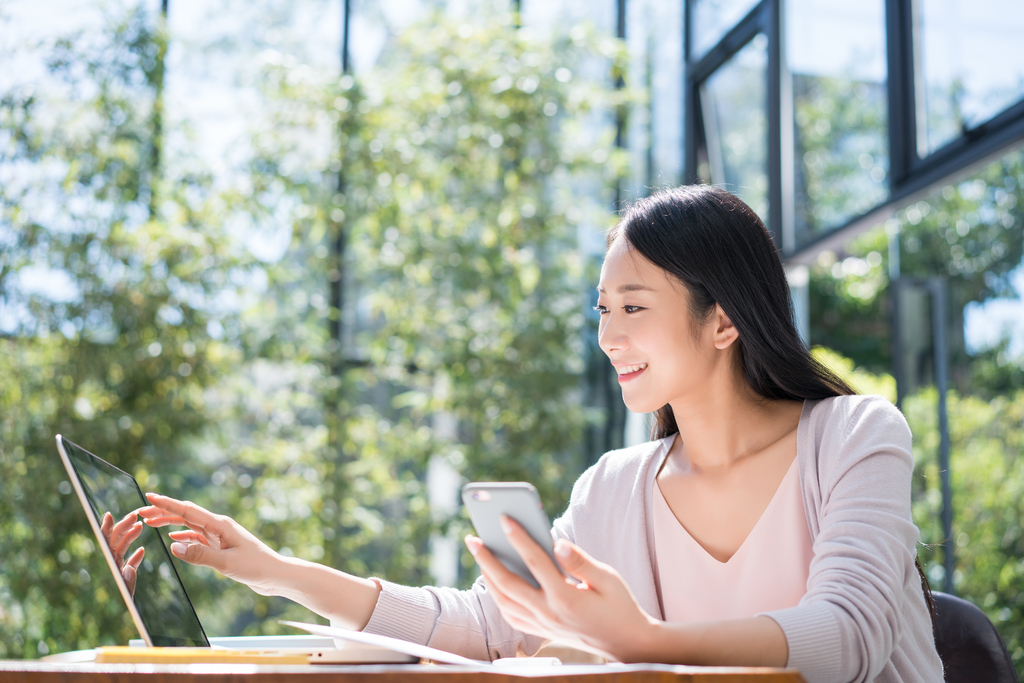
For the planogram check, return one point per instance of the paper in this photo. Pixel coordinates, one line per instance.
(403, 646)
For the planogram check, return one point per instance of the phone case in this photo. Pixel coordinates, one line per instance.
(487, 501)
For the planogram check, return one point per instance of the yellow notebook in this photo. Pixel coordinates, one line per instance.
(193, 655)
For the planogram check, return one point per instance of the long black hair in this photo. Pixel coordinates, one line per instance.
(718, 248)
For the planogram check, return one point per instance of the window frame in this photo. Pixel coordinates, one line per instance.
(910, 176)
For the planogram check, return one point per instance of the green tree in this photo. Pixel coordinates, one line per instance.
(463, 337)
(114, 348)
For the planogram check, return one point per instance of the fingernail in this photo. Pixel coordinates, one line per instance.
(473, 543)
(178, 549)
(506, 524)
(563, 550)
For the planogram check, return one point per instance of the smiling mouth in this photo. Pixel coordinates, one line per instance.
(628, 372)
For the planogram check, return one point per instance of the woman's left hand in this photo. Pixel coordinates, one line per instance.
(598, 614)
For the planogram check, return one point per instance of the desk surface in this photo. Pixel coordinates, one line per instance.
(29, 671)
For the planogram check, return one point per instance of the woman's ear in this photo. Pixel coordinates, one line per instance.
(725, 333)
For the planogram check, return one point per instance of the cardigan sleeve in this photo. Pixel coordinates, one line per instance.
(853, 615)
(466, 622)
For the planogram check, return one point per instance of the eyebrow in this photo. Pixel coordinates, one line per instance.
(628, 288)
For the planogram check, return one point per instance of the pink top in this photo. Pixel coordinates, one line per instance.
(768, 572)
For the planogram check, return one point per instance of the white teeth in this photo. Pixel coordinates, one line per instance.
(626, 369)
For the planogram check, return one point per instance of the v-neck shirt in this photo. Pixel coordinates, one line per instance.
(767, 572)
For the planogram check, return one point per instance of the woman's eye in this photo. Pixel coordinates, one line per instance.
(632, 309)
(601, 310)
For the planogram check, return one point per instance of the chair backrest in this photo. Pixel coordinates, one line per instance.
(969, 645)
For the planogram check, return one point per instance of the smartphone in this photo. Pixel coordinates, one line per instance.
(488, 501)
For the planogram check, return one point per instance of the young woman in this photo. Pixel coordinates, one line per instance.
(768, 524)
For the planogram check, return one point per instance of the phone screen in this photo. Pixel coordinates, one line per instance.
(488, 501)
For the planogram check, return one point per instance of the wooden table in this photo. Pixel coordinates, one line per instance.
(29, 671)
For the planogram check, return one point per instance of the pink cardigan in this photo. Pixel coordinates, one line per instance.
(863, 617)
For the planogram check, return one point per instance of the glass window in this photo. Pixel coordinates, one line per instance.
(836, 53)
(734, 102)
(655, 133)
(712, 19)
(666, 93)
(562, 15)
(970, 65)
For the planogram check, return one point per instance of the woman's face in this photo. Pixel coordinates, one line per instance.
(647, 331)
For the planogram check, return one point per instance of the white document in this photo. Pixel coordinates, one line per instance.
(403, 646)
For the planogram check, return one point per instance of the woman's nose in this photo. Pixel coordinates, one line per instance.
(610, 336)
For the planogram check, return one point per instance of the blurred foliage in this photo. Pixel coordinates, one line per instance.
(970, 232)
(841, 151)
(862, 381)
(106, 306)
(137, 323)
(987, 479)
(453, 199)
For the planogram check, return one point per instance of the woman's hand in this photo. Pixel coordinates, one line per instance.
(221, 542)
(216, 541)
(119, 537)
(598, 614)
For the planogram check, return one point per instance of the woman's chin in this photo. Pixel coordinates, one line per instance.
(637, 404)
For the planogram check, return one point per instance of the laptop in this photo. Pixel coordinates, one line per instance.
(158, 602)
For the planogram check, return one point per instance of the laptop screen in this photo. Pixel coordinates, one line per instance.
(159, 595)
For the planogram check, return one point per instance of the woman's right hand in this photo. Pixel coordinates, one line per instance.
(216, 541)
(221, 542)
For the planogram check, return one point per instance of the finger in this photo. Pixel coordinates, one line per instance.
(197, 553)
(541, 622)
(158, 517)
(136, 559)
(164, 520)
(161, 518)
(199, 529)
(155, 512)
(133, 533)
(503, 579)
(196, 527)
(122, 527)
(187, 510)
(155, 517)
(107, 529)
(130, 577)
(517, 614)
(537, 560)
(129, 519)
(128, 538)
(150, 511)
(107, 524)
(579, 564)
(189, 537)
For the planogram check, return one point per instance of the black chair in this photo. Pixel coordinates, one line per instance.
(969, 645)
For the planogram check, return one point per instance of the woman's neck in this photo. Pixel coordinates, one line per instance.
(726, 422)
